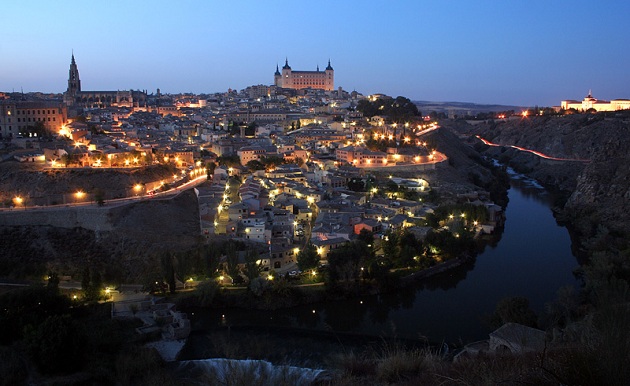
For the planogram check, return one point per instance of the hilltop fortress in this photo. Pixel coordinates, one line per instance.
(322, 80)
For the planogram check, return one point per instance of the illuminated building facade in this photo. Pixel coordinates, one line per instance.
(320, 80)
(598, 105)
(19, 118)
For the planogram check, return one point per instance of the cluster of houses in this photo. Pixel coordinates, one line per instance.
(280, 207)
(317, 137)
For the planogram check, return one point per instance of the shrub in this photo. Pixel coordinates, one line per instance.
(13, 370)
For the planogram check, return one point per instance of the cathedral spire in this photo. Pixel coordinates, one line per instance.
(277, 70)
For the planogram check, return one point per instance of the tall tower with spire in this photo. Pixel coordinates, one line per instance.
(277, 77)
(74, 82)
(329, 81)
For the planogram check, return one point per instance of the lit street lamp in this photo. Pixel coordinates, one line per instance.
(19, 201)
(79, 195)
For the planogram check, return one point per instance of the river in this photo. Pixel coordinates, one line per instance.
(532, 258)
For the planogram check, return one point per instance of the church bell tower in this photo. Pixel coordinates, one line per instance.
(74, 83)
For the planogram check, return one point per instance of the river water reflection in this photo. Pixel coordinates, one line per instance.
(532, 258)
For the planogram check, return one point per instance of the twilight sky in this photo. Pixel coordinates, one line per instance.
(534, 52)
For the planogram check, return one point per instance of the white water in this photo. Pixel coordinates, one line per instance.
(226, 371)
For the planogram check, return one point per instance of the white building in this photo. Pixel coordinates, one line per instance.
(593, 103)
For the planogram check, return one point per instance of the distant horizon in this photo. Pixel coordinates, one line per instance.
(485, 52)
(149, 91)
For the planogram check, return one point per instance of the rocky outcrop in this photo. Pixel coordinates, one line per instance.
(598, 191)
(122, 242)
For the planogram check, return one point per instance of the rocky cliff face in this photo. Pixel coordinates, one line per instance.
(598, 190)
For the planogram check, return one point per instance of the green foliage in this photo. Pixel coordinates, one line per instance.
(448, 245)
(210, 166)
(211, 255)
(272, 162)
(168, 270)
(366, 236)
(252, 267)
(229, 160)
(232, 261)
(514, 310)
(399, 110)
(206, 292)
(356, 184)
(308, 258)
(53, 282)
(401, 248)
(136, 364)
(607, 278)
(345, 263)
(28, 306)
(255, 165)
(259, 286)
(99, 197)
(13, 370)
(471, 213)
(55, 345)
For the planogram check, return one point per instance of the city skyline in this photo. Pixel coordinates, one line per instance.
(510, 53)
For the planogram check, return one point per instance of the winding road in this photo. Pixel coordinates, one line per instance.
(534, 152)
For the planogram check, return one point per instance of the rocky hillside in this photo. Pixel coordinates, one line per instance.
(464, 172)
(45, 186)
(598, 191)
(142, 230)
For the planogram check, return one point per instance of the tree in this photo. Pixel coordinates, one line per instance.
(212, 259)
(232, 262)
(356, 184)
(272, 162)
(206, 292)
(53, 282)
(229, 160)
(255, 165)
(85, 279)
(308, 258)
(345, 263)
(55, 345)
(210, 166)
(253, 267)
(168, 270)
(91, 284)
(390, 244)
(99, 197)
(366, 236)
(514, 310)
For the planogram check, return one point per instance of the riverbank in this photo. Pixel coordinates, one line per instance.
(451, 306)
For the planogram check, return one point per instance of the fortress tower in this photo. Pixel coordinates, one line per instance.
(321, 80)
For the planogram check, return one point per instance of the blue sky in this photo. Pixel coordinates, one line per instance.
(509, 52)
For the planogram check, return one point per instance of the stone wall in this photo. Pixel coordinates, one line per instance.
(93, 218)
